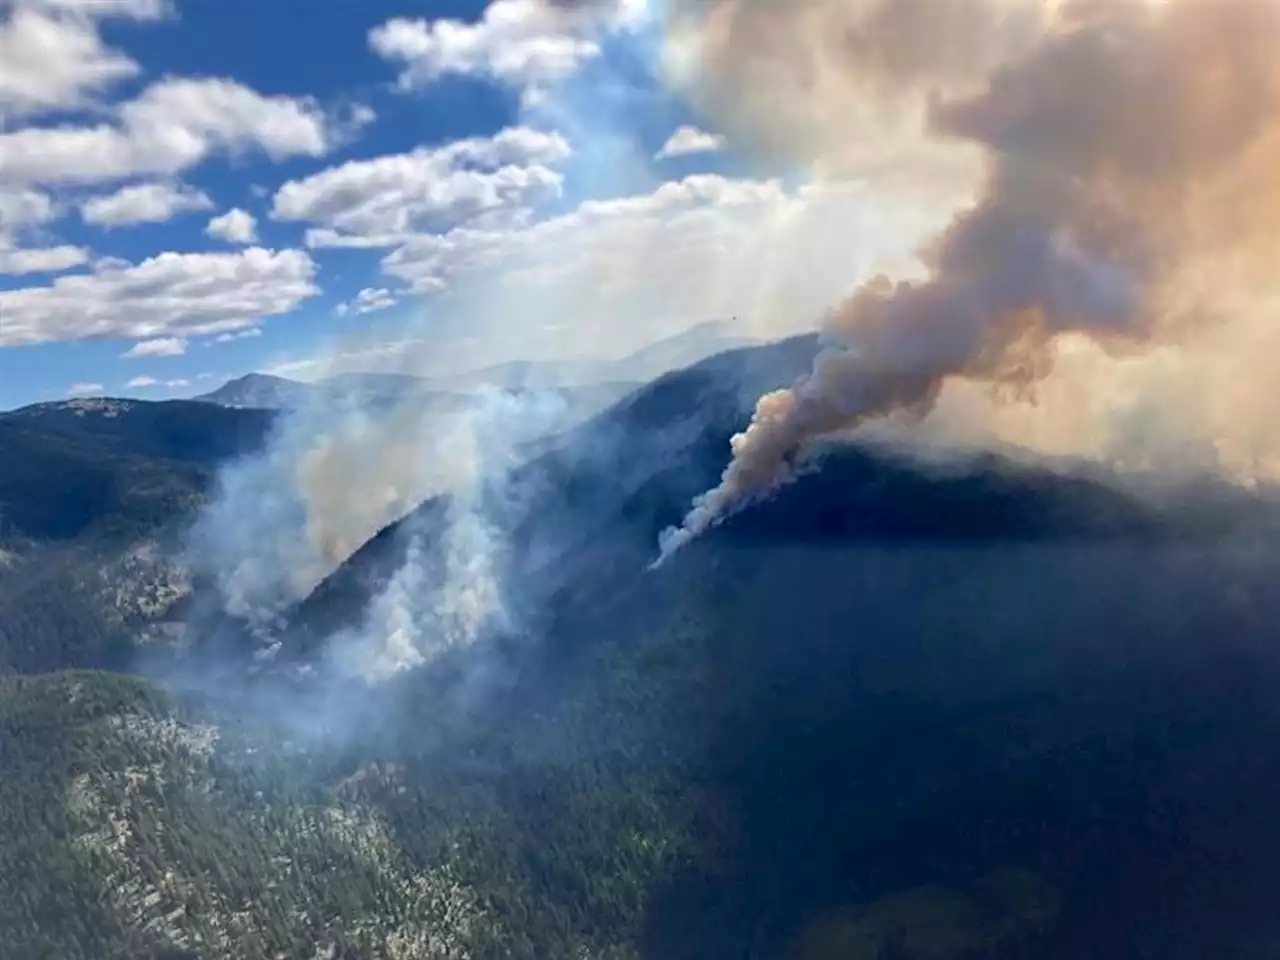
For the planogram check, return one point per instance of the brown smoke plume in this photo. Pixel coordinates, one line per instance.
(1129, 194)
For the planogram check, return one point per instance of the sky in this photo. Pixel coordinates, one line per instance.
(194, 189)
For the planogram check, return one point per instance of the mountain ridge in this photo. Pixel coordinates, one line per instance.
(590, 380)
(957, 709)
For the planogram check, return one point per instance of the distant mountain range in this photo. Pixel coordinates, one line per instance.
(376, 390)
(591, 384)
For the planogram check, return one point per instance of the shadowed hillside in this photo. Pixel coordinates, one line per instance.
(93, 495)
(945, 710)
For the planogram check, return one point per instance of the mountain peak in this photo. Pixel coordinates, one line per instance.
(262, 390)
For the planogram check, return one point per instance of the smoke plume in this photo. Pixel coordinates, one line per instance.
(1127, 195)
(451, 589)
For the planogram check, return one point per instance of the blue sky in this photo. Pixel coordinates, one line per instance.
(193, 189)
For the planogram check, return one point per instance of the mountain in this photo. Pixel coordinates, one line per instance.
(684, 349)
(610, 484)
(260, 390)
(676, 352)
(264, 391)
(589, 384)
(177, 430)
(376, 391)
(593, 503)
(979, 708)
(963, 708)
(92, 494)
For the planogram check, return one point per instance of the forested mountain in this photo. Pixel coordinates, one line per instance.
(92, 496)
(986, 709)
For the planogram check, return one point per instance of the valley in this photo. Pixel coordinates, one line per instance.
(890, 706)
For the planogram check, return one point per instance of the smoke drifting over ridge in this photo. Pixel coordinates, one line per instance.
(1128, 193)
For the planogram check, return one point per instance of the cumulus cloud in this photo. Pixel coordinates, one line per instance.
(168, 295)
(614, 274)
(527, 44)
(689, 139)
(18, 261)
(143, 203)
(24, 208)
(234, 226)
(159, 347)
(368, 300)
(142, 382)
(54, 57)
(80, 388)
(20, 212)
(171, 126)
(380, 201)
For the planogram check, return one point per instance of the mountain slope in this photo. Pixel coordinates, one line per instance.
(880, 692)
(972, 710)
(91, 494)
(180, 430)
(589, 384)
(155, 835)
(259, 390)
(684, 349)
(590, 506)
(652, 451)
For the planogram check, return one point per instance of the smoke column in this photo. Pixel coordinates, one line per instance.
(347, 462)
(1128, 193)
(447, 593)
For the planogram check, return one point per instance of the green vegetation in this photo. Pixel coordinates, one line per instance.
(92, 492)
(133, 829)
(885, 715)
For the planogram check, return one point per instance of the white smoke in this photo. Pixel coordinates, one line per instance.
(333, 473)
(450, 591)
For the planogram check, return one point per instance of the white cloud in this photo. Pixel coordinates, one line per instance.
(143, 203)
(159, 347)
(80, 388)
(238, 335)
(368, 300)
(361, 115)
(132, 9)
(24, 208)
(168, 295)
(614, 274)
(18, 261)
(171, 126)
(356, 357)
(145, 382)
(234, 226)
(53, 58)
(20, 211)
(664, 223)
(527, 44)
(687, 140)
(377, 202)
(319, 237)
